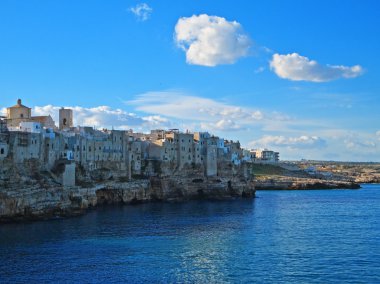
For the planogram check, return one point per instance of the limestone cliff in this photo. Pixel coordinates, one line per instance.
(27, 192)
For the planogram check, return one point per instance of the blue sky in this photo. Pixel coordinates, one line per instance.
(299, 77)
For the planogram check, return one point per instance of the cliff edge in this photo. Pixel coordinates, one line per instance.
(26, 193)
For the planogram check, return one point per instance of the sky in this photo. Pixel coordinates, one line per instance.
(298, 77)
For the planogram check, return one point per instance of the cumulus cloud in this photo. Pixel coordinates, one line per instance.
(378, 135)
(211, 40)
(105, 117)
(142, 11)
(301, 142)
(300, 68)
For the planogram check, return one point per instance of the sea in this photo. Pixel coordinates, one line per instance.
(308, 236)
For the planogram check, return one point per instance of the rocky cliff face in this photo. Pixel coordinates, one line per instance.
(174, 189)
(293, 184)
(27, 193)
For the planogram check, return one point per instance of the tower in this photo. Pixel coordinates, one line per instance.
(65, 118)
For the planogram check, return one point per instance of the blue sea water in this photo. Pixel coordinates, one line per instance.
(316, 236)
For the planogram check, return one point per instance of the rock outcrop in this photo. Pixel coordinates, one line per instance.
(303, 183)
(29, 194)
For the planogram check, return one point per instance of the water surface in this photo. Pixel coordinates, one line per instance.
(317, 236)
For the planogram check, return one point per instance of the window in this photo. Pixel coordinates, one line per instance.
(22, 115)
(2, 151)
(64, 121)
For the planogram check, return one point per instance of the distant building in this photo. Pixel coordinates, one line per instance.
(266, 156)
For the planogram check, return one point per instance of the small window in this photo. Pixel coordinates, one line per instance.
(2, 151)
(22, 115)
(64, 121)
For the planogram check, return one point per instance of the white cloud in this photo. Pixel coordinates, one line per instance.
(105, 117)
(355, 144)
(211, 40)
(205, 113)
(259, 70)
(299, 68)
(378, 135)
(193, 112)
(142, 11)
(222, 125)
(3, 111)
(301, 142)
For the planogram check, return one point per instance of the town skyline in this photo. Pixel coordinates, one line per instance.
(299, 79)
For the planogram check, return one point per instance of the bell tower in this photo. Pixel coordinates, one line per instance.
(65, 118)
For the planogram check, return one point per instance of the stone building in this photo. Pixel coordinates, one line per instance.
(25, 146)
(184, 145)
(132, 154)
(46, 121)
(20, 113)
